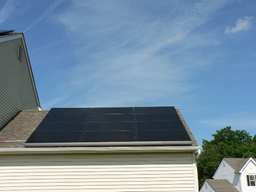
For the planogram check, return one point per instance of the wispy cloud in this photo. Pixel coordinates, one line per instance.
(7, 10)
(125, 52)
(242, 120)
(241, 25)
(44, 14)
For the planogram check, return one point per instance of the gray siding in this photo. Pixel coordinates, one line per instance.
(17, 89)
(99, 172)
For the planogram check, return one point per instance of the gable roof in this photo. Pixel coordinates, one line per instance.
(238, 163)
(221, 185)
(18, 130)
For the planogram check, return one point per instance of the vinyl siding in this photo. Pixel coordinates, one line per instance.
(225, 171)
(17, 91)
(249, 169)
(206, 188)
(99, 172)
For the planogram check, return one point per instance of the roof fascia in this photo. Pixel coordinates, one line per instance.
(245, 165)
(61, 150)
(10, 37)
(30, 71)
(111, 144)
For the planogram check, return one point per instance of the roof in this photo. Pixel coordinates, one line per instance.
(221, 185)
(237, 163)
(19, 129)
(4, 32)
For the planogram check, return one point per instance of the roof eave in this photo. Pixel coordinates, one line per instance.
(132, 149)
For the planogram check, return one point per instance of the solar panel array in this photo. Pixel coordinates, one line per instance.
(110, 125)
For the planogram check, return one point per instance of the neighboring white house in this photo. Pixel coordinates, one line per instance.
(238, 173)
(17, 86)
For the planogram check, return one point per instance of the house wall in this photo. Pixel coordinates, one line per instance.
(206, 188)
(99, 172)
(250, 169)
(17, 90)
(225, 171)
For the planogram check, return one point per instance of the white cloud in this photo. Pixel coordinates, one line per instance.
(44, 14)
(123, 50)
(7, 10)
(242, 120)
(241, 25)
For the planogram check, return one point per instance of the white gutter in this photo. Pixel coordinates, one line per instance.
(111, 144)
(153, 149)
(198, 153)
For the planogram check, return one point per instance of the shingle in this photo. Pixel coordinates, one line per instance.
(17, 131)
(237, 163)
(221, 185)
(194, 142)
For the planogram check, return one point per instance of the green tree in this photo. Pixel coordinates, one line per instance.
(225, 143)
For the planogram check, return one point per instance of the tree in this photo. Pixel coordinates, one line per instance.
(225, 143)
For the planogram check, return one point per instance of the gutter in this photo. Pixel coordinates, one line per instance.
(199, 153)
(110, 144)
(66, 150)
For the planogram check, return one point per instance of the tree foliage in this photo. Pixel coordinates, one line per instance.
(225, 143)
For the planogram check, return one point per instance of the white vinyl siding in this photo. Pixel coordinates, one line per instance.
(206, 188)
(99, 172)
(225, 171)
(17, 91)
(249, 169)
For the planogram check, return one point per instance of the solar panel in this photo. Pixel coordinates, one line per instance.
(156, 117)
(113, 110)
(123, 117)
(108, 136)
(154, 126)
(155, 110)
(54, 137)
(61, 127)
(107, 126)
(123, 124)
(175, 135)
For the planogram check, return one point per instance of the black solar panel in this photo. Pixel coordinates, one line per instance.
(103, 126)
(111, 117)
(128, 124)
(54, 137)
(155, 110)
(113, 110)
(108, 136)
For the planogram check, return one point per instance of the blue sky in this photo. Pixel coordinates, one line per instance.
(196, 55)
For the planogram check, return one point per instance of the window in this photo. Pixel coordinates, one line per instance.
(251, 180)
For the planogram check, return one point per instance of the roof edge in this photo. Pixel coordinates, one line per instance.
(154, 149)
(194, 142)
(250, 159)
(110, 144)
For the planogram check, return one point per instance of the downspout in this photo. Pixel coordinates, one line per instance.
(198, 154)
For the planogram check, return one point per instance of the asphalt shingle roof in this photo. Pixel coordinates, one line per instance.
(18, 130)
(237, 163)
(221, 185)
